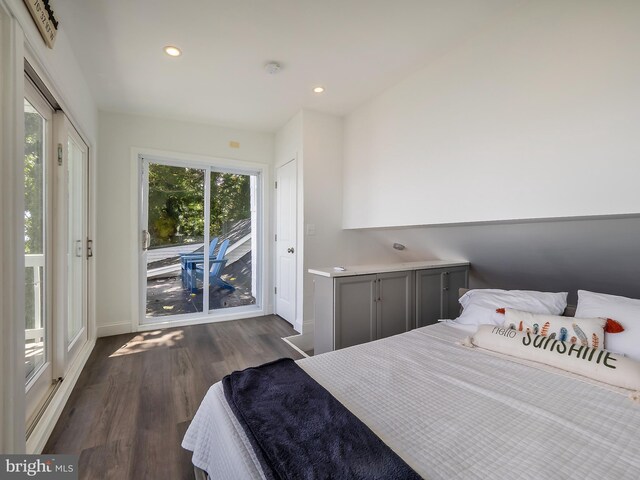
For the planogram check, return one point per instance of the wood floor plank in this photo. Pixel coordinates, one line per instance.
(106, 462)
(136, 396)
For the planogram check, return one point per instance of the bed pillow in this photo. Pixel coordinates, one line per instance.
(580, 331)
(624, 310)
(601, 365)
(479, 306)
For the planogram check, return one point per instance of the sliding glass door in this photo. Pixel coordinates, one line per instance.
(56, 247)
(198, 240)
(175, 228)
(38, 149)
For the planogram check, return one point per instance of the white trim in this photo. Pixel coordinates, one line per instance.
(304, 341)
(114, 329)
(207, 239)
(290, 341)
(262, 171)
(38, 438)
(12, 404)
(239, 313)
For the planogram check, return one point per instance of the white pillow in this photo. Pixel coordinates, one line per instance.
(622, 309)
(480, 305)
(600, 365)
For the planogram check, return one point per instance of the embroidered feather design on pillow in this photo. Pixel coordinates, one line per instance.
(581, 331)
(564, 335)
(545, 329)
(580, 334)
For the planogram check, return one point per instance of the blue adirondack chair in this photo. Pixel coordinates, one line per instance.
(188, 259)
(215, 270)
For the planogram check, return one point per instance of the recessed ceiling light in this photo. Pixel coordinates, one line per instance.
(318, 89)
(172, 51)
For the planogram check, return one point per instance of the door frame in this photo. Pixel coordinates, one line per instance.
(138, 306)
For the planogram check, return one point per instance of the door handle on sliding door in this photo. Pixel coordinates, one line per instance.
(146, 240)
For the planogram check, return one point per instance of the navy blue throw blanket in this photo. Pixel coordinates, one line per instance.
(298, 430)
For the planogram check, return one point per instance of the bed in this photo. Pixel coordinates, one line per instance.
(452, 412)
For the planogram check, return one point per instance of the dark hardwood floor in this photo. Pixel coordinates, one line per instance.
(138, 392)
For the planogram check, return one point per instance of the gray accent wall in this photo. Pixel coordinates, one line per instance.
(597, 254)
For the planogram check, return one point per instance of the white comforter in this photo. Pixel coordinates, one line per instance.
(453, 412)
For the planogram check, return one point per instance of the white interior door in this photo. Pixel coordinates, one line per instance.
(76, 178)
(286, 245)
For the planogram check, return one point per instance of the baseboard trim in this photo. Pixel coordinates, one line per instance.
(304, 341)
(38, 438)
(290, 341)
(223, 317)
(113, 329)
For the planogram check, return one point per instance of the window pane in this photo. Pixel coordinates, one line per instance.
(176, 229)
(232, 281)
(34, 239)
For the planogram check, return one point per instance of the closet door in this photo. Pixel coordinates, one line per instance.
(73, 248)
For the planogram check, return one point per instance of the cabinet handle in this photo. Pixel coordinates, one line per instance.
(379, 290)
(445, 281)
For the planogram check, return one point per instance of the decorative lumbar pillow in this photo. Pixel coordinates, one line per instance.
(580, 331)
(480, 305)
(601, 365)
(624, 310)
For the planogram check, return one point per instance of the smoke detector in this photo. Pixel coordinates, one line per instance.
(272, 68)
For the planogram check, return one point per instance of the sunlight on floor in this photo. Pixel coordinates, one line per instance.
(146, 341)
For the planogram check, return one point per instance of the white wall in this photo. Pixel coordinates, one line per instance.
(315, 140)
(117, 206)
(60, 70)
(322, 140)
(536, 117)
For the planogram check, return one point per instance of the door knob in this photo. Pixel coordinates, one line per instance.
(290, 250)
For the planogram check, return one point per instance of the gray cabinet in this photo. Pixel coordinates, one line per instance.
(394, 306)
(364, 303)
(355, 310)
(437, 293)
(362, 308)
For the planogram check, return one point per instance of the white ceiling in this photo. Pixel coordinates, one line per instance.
(354, 48)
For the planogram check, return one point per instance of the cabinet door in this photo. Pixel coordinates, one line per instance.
(395, 301)
(355, 310)
(429, 296)
(453, 279)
